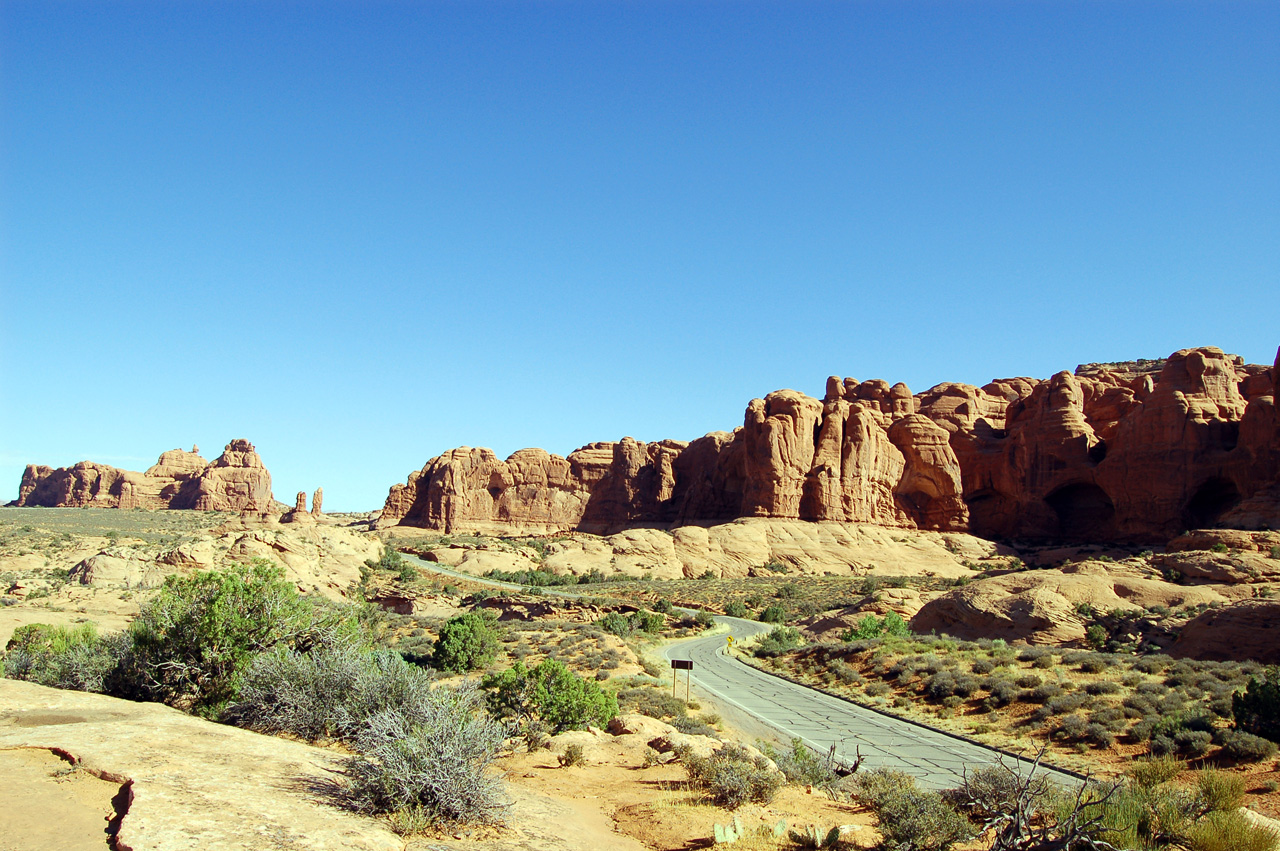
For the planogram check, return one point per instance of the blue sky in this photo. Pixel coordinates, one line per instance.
(359, 234)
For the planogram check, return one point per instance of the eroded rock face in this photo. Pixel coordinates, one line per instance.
(236, 481)
(1112, 452)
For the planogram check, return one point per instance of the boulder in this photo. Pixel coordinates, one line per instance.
(1248, 629)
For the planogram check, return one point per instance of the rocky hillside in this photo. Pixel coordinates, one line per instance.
(236, 481)
(1137, 451)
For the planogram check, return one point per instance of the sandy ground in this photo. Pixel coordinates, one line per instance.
(51, 804)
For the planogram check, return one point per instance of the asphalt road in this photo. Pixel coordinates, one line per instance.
(936, 759)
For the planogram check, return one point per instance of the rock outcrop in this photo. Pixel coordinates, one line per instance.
(236, 481)
(1134, 451)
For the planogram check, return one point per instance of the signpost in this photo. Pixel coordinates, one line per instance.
(681, 665)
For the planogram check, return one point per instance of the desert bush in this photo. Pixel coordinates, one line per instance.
(1153, 664)
(920, 820)
(467, 642)
(1044, 692)
(573, 755)
(1002, 692)
(1147, 773)
(435, 759)
(1220, 790)
(1102, 687)
(550, 693)
(732, 777)
(736, 609)
(1100, 735)
(846, 672)
(330, 692)
(1230, 832)
(983, 666)
(801, 765)
(692, 726)
(1028, 681)
(1095, 663)
(1246, 747)
(75, 657)
(654, 702)
(875, 786)
(877, 689)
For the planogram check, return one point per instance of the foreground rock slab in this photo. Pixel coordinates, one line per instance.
(194, 784)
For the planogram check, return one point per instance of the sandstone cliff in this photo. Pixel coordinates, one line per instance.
(235, 481)
(1133, 451)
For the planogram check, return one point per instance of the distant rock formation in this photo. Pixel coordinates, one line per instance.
(1129, 451)
(236, 481)
(316, 499)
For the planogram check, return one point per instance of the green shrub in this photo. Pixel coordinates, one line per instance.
(75, 658)
(466, 642)
(779, 640)
(190, 645)
(550, 693)
(870, 626)
(732, 777)
(1230, 832)
(1147, 773)
(1257, 709)
(736, 609)
(1220, 790)
(435, 760)
(773, 613)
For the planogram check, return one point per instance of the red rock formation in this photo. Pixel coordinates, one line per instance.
(1113, 452)
(316, 499)
(236, 481)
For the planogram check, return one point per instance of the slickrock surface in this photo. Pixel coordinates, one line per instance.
(195, 784)
(1249, 629)
(235, 481)
(1040, 606)
(735, 550)
(1115, 452)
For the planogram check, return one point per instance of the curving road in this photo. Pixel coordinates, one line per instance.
(938, 760)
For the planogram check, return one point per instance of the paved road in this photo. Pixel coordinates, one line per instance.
(820, 720)
(938, 760)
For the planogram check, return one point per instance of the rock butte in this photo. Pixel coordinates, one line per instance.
(1135, 451)
(235, 481)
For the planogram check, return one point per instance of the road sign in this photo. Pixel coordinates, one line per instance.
(729, 638)
(682, 664)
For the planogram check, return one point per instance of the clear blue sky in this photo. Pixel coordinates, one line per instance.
(359, 234)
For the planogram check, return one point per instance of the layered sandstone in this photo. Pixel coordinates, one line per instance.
(236, 481)
(1122, 452)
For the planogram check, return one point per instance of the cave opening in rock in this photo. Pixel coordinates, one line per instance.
(1211, 500)
(916, 504)
(990, 513)
(1084, 511)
